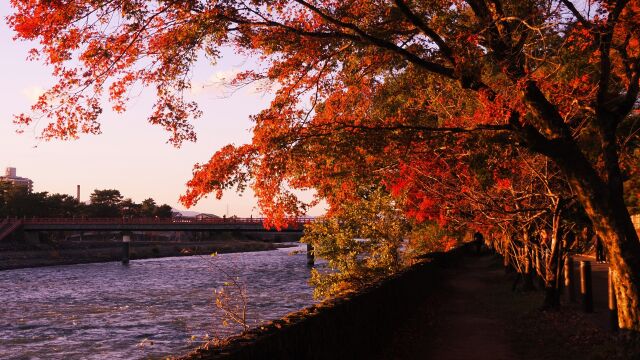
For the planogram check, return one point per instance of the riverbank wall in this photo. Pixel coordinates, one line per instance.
(354, 326)
(108, 247)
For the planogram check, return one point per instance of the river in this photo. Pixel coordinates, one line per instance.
(151, 308)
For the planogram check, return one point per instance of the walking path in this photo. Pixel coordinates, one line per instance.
(474, 314)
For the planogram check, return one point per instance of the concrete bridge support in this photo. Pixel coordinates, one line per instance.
(310, 255)
(126, 242)
(31, 237)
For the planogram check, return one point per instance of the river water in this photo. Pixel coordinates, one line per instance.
(149, 309)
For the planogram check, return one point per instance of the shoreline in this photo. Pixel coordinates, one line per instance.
(25, 259)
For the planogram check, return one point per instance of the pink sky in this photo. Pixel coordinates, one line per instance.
(130, 155)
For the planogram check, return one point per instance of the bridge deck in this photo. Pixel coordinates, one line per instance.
(154, 224)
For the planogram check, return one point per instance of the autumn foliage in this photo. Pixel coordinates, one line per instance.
(465, 111)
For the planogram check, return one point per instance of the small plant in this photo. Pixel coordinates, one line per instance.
(231, 299)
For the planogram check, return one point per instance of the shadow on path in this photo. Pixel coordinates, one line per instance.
(462, 319)
(474, 315)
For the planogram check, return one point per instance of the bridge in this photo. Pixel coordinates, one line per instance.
(9, 226)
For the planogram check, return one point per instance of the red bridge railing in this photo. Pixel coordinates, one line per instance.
(159, 221)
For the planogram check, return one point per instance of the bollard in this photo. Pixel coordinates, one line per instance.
(126, 240)
(569, 284)
(585, 286)
(310, 255)
(613, 305)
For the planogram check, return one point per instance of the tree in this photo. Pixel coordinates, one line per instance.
(163, 211)
(551, 77)
(60, 205)
(104, 203)
(361, 242)
(148, 208)
(128, 208)
(18, 201)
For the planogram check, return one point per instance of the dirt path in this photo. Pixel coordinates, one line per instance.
(475, 315)
(463, 319)
(470, 326)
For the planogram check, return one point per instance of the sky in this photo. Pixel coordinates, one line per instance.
(130, 155)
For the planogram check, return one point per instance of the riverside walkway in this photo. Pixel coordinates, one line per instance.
(457, 306)
(474, 314)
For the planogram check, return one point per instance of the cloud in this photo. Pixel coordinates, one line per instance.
(219, 83)
(33, 92)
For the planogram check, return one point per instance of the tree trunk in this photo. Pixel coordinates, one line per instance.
(538, 262)
(612, 222)
(528, 268)
(623, 248)
(551, 293)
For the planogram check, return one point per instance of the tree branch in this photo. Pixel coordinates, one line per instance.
(417, 21)
(605, 57)
(631, 97)
(480, 127)
(411, 57)
(549, 119)
(577, 14)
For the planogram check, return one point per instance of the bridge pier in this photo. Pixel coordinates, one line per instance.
(32, 237)
(126, 241)
(310, 255)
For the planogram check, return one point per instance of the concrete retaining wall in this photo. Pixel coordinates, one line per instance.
(350, 327)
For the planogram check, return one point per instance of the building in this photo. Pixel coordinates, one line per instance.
(10, 176)
(205, 216)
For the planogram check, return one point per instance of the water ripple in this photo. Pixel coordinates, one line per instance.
(149, 309)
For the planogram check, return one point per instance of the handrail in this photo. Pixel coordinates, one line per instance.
(292, 223)
(154, 221)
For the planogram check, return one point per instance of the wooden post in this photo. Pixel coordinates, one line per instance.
(528, 271)
(559, 276)
(568, 278)
(613, 305)
(539, 253)
(126, 241)
(585, 286)
(310, 255)
(505, 260)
